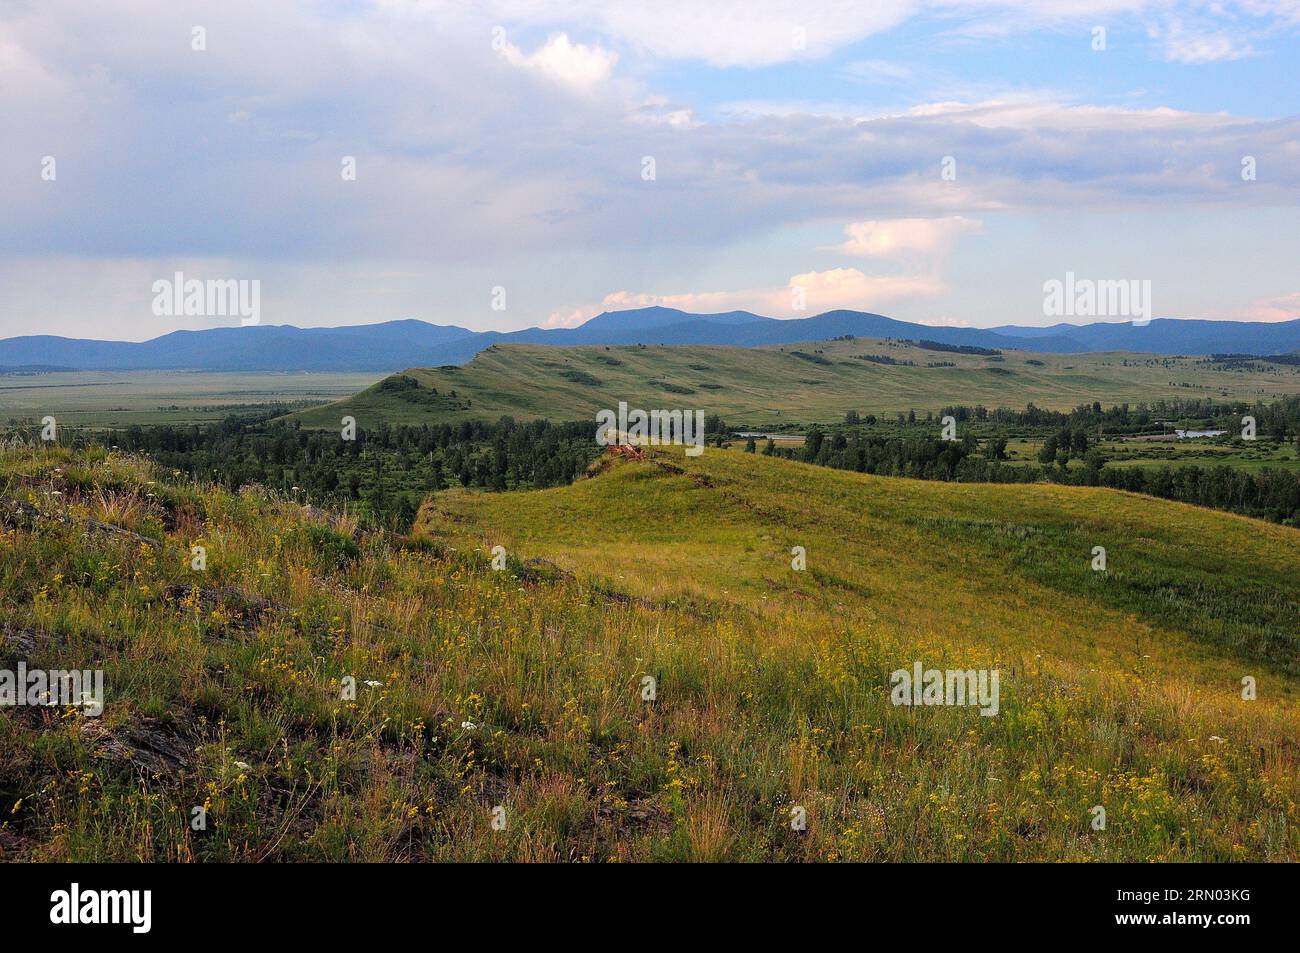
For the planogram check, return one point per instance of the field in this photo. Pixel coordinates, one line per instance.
(525, 689)
(768, 388)
(771, 387)
(1171, 452)
(118, 399)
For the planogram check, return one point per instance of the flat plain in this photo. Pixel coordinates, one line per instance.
(119, 399)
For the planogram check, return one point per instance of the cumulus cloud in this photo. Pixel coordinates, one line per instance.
(1282, 308)
(574, 64)
(751, 34)
(763, 32)
(805, 294)
(812, 292)
(474, 154)
(914, 249)
(464, 150)
(892, 238)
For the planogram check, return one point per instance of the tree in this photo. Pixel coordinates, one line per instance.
(1093, 461)
(1047, 454)
(813, 442)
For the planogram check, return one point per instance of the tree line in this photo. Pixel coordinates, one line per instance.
(1268, 493)
(383, 474)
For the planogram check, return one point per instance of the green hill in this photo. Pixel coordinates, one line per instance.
(647, 677)
(1120, 688)
(816, 382)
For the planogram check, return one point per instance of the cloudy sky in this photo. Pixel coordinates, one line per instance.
(933, 161)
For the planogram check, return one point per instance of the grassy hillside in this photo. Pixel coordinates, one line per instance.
(522, 688)
(816, 382)
(1120, 688)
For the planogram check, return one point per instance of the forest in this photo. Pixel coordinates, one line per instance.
(386, 471)
(1269, 493)
(383, 474)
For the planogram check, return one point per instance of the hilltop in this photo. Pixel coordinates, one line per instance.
(787, 384)
(526, 689)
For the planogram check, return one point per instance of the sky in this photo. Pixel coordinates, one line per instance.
(502, 164)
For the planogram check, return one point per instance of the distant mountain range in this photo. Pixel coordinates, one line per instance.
(395, 345)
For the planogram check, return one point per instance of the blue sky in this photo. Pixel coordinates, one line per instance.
(928, 58)
(798, 152)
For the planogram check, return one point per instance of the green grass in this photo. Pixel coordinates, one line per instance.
(769, 387)
(522, 688)
(1202, 452)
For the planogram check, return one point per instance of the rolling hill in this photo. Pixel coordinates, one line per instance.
(392, 345)
(647, 677)
(815, 382)
(1121, 688)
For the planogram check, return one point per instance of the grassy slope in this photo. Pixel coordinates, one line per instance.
(772, 685)
(1113, 684)
(771, 386)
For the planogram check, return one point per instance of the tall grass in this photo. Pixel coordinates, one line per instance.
(523, 689)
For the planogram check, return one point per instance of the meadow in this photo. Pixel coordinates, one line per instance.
(525, 689)
(1172, 452)
(99, 399)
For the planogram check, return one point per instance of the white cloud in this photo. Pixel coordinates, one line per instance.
(1198, 40)
(851, 288)
(725, 34)
(571, 317)
(470, 156)
(1282, 308)
(577, 65)
(878, 71)
(914, 248)
(821, 291)
(763, 32)
(891, 238)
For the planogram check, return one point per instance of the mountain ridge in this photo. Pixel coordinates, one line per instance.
(395, 345)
